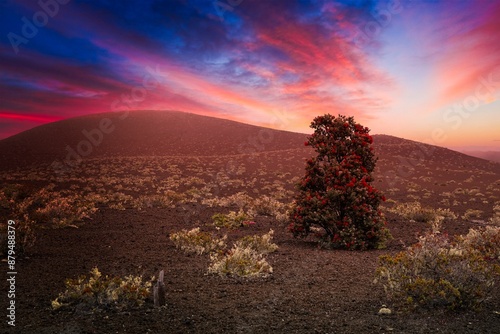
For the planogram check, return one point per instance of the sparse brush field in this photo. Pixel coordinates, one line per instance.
(131, 217)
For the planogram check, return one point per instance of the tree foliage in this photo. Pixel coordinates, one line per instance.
(336, 193)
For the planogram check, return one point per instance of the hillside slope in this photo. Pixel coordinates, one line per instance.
(141, 133)
(170, 133)
(487, 155)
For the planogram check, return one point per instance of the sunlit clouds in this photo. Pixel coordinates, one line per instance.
(400, 67)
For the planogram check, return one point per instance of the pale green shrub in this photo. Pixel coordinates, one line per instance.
(246, 258)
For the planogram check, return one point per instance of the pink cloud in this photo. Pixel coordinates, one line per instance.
(30, 118)
(470, 56)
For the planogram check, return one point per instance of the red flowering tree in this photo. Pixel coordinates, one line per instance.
(336, 193)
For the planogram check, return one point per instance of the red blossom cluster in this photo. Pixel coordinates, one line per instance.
(336, 193)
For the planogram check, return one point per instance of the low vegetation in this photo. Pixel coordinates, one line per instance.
(244, 259)
(261, 244)
(104, 292)
(438, 272)
(232, 220)
(413, 211)
(241, 262)
(337, 203)
(32, 209)
(198, 242)
(495, 220)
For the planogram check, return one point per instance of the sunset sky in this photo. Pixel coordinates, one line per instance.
(421, 70)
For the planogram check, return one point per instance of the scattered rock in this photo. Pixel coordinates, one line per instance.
(384, 310)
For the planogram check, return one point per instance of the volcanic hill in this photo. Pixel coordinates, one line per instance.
(172, 133)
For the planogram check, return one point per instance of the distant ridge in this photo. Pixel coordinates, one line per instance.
(141, 133)
(487, 155)
(173, 133)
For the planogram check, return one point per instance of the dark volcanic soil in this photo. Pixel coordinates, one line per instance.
(310, 291)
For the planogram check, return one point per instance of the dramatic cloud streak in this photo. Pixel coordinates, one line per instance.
(398, 66)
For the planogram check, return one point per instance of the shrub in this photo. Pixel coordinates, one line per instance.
(415, 212)
(48, 207)
(60, 211)
(240, 199)
(25, 236)
(437, 273)
(195, 241)
(266, 206)
(336, 193)
(269, 206)
(32, 209)
(232, 220)
(496, 215)
(239, 261)
(258, 243)
(484, 240)
(97, 291)
(471, 213)
(153, 201)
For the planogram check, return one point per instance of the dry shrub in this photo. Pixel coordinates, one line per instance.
(39, 209)
(232, 220)
(495, 220)
(269, 206)
(471, 213)
(240, 199)
(98, 291)
(266, 206)
(196, 241)
(436, 272)
(238, 261)
(246, 258)
(484, 240)
(153, 201)
(259, 243)
(414, 211)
